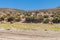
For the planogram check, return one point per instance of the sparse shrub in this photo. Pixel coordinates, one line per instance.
(10, 19)
(29, 19)
(1, 19)
(56, 20)
(46, 20)
(40, 18)
(52, 16)
(17, 19)
(46, 16)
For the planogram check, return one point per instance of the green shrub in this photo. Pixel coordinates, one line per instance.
(46, 20)
(56, 20)
(46, 16)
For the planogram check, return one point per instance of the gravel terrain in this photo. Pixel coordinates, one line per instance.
(16, 34)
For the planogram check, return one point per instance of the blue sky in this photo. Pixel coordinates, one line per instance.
(29, 4)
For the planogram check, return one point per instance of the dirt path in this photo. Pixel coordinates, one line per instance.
(9, 36)
(29, 35)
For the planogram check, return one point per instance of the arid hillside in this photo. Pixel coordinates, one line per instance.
(35, 16)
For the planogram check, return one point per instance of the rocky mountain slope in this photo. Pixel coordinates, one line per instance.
(35, 16)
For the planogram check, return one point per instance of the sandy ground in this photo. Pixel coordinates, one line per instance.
(17, 34)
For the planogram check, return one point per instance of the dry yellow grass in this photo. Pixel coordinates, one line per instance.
(31, 26)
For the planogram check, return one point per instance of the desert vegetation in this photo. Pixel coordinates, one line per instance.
(36, 16)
